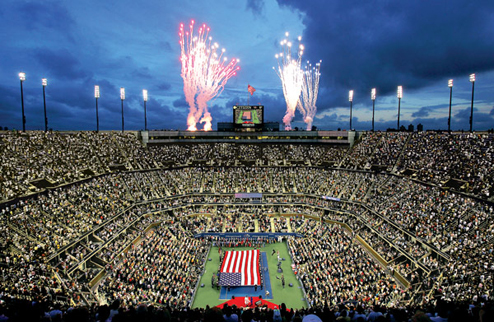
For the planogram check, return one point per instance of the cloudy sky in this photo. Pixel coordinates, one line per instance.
(134, 44)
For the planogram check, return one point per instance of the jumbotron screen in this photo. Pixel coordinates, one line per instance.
(248, 116)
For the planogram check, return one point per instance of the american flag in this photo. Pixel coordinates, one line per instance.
(251, 89)
(240, 268)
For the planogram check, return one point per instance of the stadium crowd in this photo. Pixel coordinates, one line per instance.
(20, 310)
(334, 269)
(69, 197)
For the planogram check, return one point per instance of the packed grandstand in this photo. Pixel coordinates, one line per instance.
(397, 222)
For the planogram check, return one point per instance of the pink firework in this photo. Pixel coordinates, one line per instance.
(310, 89)
(205, 73)
(291, 76)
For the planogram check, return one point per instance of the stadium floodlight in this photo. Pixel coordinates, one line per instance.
(373, 98)
(96, 96)
(145, 97)
(399, 94)
(22, 77)
(472, 80)
(450, 85)
(122, 98)
(96, 91)
(350, 98)
(44, 82)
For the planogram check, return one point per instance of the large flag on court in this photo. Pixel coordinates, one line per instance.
(240, 268)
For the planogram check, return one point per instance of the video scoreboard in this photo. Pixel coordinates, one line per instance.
(248, 116)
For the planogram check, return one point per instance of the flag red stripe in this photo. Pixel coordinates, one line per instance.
(242, 268)
(238, 267)
(232, 261)
(252, 265)
(247, 269)
(255, 268)
(225, 260)
(258, 268)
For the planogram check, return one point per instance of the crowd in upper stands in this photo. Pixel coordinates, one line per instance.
(435, 231)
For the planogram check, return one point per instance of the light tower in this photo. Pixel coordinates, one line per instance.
(22, 77)
(122, 98)
(44, 82)
(472, 80)
(145, 97)
(350, 98)
(373, 98)
(96, 96)
(399, 94)
(450, 85)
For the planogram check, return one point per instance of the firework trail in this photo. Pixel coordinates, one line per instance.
(310, 89)
(291, 77)
(204, 71)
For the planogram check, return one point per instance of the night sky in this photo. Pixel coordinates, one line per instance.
(134, 44)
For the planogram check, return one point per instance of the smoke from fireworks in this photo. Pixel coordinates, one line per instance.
(204, 71)
(291, 77)
(310, 89)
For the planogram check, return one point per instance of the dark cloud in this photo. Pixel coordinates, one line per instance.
(180, 102)
(492, 111)
(10, 113)
(387, 43)
(422, 112)
(255, 5)
(163, 86)
(461, 119)
(165, 46)
(162, 116)
(44, 14)
(141, 73)
(61, 64)
(425, 111)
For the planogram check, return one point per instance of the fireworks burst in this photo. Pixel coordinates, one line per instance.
(310, 89)
(204, 71)
(292, 77)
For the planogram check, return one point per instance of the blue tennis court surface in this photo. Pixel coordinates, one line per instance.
(242, 291)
